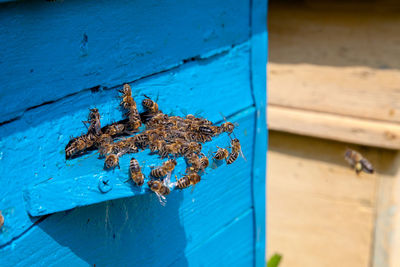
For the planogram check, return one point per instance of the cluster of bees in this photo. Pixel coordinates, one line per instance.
(167, 136)
(358, 162)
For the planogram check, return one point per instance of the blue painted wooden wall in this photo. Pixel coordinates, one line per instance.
(59, 58)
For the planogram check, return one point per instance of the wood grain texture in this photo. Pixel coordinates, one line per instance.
(33, 147)
(320, 213)
(359, 92)
(51, 50)
(334, 126)
(336, 61)
(57, 60)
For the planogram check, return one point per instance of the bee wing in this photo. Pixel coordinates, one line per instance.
(167, 180)
(193, 186)
(366, 166)
(162, 199)
(214, 164)
(241, 154)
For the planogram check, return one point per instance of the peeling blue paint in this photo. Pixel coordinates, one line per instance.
(196, 56)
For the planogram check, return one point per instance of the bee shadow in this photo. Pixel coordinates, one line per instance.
(135, 230)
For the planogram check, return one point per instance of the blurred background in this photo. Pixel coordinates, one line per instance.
(333, 83)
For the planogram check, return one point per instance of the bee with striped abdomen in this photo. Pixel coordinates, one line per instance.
(191, 178)
(236, 149)
(166, 168)
(221, 154)
(150, 105)
(135, 172)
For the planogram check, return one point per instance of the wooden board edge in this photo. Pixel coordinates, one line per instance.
(258, 63)
(336, 127)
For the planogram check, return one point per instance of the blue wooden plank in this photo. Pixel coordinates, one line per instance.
(32, 148)
(50, 50)
(138, 231)
(77, 184)
(230, 246)
(258, 78)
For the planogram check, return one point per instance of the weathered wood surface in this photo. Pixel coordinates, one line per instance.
(334, 126)
(320, 213)
(192, 58)
(46, 56)
(33, 147)
(77, 184)
(333, 61)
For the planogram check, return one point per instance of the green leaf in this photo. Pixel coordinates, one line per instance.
(274, 260)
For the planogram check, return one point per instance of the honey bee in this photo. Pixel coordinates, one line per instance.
(130, 148)
(221, 154)
(190, 179)
(150, 105)
(160, 188)
(114, 129)
(94, 122)
(204, 162)
(194, 147)
(166, 168)
(75, 146)
(236, 150)
(112, 161)
(135, 172)
(126, 90)
(141, 140)
(228, 127)
(167, 149)
(127, 100)
(358, 162)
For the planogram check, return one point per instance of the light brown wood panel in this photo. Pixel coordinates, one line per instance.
(333, 126)
(359, 92)
(320, 213)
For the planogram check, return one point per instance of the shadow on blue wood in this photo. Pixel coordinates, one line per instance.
(191, 54)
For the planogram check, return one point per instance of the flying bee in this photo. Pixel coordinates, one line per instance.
(190, 179)
(111, 161)
(358, 162)
(221, 154)
(135, 172)
(166, 168)
(160, 188)
(150, 105)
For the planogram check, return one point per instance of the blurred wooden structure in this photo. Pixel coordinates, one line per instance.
(333, 75)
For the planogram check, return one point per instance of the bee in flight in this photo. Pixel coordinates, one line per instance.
(358, 162)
